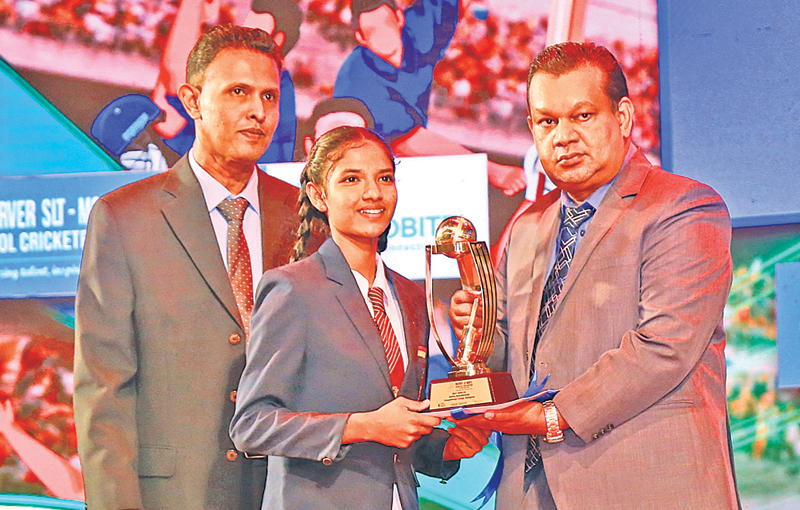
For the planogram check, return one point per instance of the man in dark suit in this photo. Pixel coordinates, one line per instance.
(614, 285)
(165, 296)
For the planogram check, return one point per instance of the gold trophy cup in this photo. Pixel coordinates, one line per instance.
(471, 383)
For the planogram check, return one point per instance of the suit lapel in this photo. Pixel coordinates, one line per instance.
(415, 336)
(352, 302)
(608, 213)
(541, 238)
(187, 216)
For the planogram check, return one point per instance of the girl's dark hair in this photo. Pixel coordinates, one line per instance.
(328, 149)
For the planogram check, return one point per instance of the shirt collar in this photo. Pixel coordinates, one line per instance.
(214, 192)
(380, 280)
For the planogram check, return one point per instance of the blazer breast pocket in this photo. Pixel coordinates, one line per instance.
(673, 403)
(157, 461)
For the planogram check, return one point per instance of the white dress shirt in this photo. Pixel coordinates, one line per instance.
(214, 193)
(393, 312)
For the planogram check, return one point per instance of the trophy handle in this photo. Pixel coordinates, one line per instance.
(484, 269)
(429, 297)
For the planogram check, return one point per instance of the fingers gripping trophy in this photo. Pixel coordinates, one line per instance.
(471, 383)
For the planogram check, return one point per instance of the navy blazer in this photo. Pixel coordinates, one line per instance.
(315, 356)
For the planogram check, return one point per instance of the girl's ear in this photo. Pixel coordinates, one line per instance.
(317, 197)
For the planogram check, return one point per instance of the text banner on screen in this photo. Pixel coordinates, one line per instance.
(43, 222)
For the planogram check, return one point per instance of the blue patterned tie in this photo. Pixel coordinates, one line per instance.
(573, 217)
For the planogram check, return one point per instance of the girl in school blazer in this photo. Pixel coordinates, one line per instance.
(316, 394)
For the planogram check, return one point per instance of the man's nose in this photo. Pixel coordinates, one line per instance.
(565, 133)
(258, 109)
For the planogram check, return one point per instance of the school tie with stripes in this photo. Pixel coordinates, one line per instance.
(390, 345)
(573, 217)
(240, 273)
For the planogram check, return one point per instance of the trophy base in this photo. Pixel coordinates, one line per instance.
(475, 390)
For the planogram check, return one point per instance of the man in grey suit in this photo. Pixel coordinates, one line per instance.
(160, 333)
(614, 284)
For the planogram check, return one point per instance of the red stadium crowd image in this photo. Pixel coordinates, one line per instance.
(480, 81)
(38, 445)
(131, 26)
(482, 78)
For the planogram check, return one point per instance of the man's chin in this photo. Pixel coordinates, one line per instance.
(569, 177)
(251, 154)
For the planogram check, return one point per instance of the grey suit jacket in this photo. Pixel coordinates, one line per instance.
(636, 343)
(314, 358)
(160, 347)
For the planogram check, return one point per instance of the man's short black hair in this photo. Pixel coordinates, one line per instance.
(224, 37)
(357, 7)
(288, 18)
(565, 57)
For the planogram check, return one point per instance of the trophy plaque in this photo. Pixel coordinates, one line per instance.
(471, 383)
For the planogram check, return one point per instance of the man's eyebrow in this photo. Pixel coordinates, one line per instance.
(577, 106)
(582, 104)
(542, 111)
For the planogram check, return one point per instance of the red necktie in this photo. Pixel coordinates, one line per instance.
(240, 273)
(390, 345)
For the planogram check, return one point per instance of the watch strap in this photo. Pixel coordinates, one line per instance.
(554, 433)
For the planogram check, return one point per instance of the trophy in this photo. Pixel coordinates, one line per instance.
(470, 383)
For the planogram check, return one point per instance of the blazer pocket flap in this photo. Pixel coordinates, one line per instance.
(157, 461)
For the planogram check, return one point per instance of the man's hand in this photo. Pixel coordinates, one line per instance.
(461, 309)
(522, 418)
(397, 424)
(465, 442)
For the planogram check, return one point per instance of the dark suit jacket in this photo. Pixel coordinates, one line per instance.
(316, 356)
(160, 346)
(636, 342)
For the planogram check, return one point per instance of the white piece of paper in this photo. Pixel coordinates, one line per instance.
(480, 409)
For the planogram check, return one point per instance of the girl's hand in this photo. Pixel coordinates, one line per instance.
(398, 423)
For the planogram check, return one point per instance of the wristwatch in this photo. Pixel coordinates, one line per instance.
(554, 433)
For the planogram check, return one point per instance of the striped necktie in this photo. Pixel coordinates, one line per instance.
(390, 345)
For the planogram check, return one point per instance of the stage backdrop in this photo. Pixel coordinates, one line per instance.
(89, 87)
